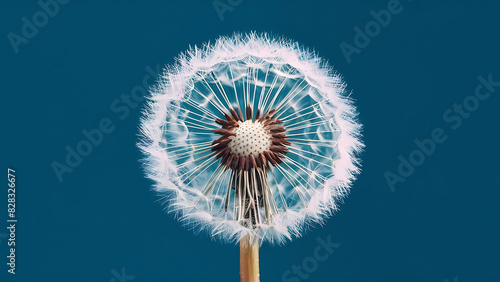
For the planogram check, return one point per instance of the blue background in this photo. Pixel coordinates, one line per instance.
(441, 224)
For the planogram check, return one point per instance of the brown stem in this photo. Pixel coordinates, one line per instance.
(249, 260)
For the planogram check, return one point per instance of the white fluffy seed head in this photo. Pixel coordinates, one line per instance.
(165, 165)
(252, 138)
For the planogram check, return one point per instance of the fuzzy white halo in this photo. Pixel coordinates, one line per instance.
(325, 137)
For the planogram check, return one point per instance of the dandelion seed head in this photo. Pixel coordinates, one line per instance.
(251, 136)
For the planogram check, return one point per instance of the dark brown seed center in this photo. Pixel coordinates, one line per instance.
(250, 143)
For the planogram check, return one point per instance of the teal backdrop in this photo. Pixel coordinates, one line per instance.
(425, 76)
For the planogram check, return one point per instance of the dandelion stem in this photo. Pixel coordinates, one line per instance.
(249, 260)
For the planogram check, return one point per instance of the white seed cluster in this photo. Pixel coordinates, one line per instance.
(251, 138)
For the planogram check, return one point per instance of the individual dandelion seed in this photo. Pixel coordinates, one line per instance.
(251, 139)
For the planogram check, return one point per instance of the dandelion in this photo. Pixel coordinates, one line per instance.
(251, 139)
